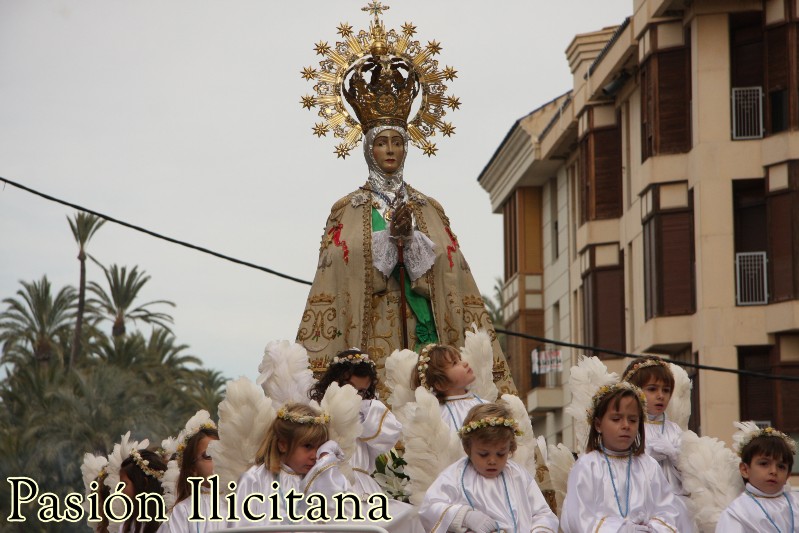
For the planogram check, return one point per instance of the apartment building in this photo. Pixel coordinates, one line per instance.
(654, 208)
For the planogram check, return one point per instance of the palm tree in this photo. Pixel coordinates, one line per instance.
(38, 323)
(208, 389)
(118, 303)
(83, 226)
(496, 310)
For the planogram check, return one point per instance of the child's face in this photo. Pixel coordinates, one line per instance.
(203, 463)
(619, 426)
(361, 384)
(766, 473)
(301, 459)
(129, 490)
(657, 395)
(459, 374)
(489, 458)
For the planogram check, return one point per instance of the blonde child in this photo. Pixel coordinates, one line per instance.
(485, 491)
(192, 460)
(653, 376)
(767, 503)
(443, 372)
(615, 487)
(297, 454)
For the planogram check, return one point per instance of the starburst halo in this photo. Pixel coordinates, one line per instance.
(353, 50)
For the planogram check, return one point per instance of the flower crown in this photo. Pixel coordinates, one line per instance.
(422, 364)
(604, 390)
(353, 358)
(185, 437)
(643, 364)
(491, 421)
(144, 465)
(749, 431)
(283, 414)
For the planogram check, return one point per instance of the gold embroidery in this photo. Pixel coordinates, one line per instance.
(440, 518)
(379, 429)
(665, 524)
(599, 525)
(368, 272)
(328, 467)
(654, 422)
(321, 298)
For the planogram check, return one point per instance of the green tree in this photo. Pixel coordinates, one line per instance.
(496, 311)
(38, 323)
(83, 226)
(117, 303)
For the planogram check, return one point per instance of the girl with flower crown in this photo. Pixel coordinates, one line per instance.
(191, 459)
(486, 491)
(141, 471)
(663, 436)
(767, 503)
(442, 371)
(615, 487)
(297, 454)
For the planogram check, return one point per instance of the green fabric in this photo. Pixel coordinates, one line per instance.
(420, 306)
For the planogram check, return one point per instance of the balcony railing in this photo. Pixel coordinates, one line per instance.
(747, 113)
(751, 278)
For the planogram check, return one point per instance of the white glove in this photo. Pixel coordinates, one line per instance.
(663, 449)
(479, 522)
(330, 447)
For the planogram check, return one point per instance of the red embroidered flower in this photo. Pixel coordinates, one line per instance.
(335, 234)
(452, 247)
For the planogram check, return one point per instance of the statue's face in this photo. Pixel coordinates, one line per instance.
(389, 150)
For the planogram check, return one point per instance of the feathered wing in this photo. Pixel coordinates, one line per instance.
(399, 367)
(121, 452)
(285, 373)
(710, 474)
(744, 430)
(560, 461)
(526, 444)
(170, 484)
(90, 471)
(585, 379)
(679, 409)
(244, 416)
(430, 444)
(478, 352)
(343, 405)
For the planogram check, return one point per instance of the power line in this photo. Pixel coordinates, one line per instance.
(625, 354)
(154, 234)
(306, 282)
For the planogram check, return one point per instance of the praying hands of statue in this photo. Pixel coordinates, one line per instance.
(402, 222)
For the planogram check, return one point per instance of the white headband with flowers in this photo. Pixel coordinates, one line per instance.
(423, 364)
(643, 364)
(353, 358)
(491, 421)
(283, 414)
(604, 390)
(748, 431)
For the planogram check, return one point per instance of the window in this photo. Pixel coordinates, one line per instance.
(669, 286)
(782, 214)
(603, 297)
(509, 221)
(600, 167)
(666, 101)
(553, 218)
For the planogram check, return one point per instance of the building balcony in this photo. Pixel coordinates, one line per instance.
(543, 399)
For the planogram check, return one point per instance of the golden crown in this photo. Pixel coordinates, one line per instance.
(400, 68)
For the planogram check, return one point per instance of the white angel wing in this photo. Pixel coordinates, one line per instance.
(399, 367)
(343, 404)
(560, 461)
(679, 409)
(745, 429)
(585, 378)
(478, 352)
(91, 468)
(526, 443)
(710, 474)
(285, 373)
(430, 444)
(244, 416)
(121, 452)
(170, 484)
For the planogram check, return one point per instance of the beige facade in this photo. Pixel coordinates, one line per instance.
(654, 208)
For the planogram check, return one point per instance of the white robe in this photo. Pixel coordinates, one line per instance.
(381, 431)
(324, 478)
(670, 434)
(445, 502)
(591, 504)
(744, 516)
(454, 408)
(178, 520)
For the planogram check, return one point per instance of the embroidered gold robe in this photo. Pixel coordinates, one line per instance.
(352, 304)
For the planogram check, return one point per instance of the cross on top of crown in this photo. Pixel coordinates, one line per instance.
(375, 8)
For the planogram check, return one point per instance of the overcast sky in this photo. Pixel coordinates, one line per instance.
(183, 116)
